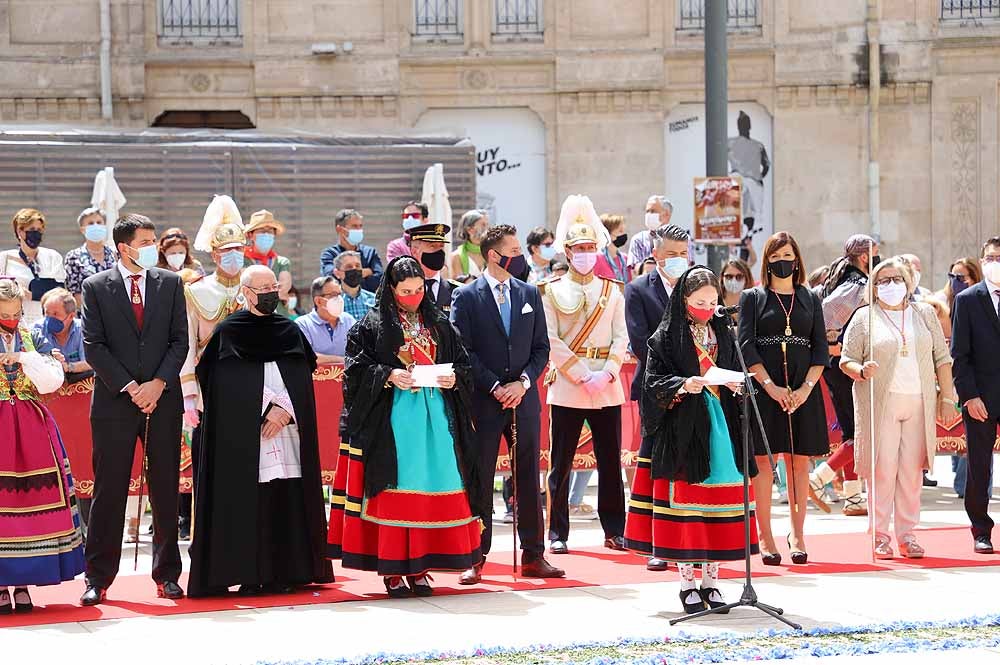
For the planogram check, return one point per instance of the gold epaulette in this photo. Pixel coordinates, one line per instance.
(545, 282)
(619, 283)
(195, 280)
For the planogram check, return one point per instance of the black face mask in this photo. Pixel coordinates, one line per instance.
(620, 240)
(33, 238)
(433, 260)
(352, 277)
(515, 265)
(782, 269)
(876, 260)
(267, 303)
(958, 285)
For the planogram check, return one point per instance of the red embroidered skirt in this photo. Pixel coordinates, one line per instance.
(401, 533)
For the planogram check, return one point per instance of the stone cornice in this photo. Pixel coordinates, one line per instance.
(342, 106)
(800, 96)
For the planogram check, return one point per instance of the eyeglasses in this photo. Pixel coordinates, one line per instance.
(172, 236)
(886, 281)
(991, 258)
(264, 289)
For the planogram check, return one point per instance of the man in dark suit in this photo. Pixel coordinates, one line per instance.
(502, 324)
(427, 246)
(975, 338)
(646, 298)
(135, 337)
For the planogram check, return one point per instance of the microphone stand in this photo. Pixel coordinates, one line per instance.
(749, 596)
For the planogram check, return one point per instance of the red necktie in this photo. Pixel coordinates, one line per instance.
(136, 297)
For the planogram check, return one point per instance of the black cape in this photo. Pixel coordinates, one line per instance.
(224, 549)
(372, 347)
(681, 431)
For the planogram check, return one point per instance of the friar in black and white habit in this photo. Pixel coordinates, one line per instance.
(259, 513)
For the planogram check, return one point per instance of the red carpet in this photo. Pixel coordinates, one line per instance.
(134, 595)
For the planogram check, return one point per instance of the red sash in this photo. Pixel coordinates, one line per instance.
(706, 361)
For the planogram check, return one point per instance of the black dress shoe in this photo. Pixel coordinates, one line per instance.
(706, 596)
(616, 543)
(278, 588)
(6, 604)
(983, 545)
(93, 596)
(692, 608)
(396, 588)
(558, 547)
(929, 482)
(656, 565)
(248, 590)
(184, 530)
(169, 590)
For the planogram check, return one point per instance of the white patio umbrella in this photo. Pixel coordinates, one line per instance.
(108, 197)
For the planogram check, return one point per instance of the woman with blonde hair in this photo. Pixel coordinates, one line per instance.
(908, 361)
(37, 269)
(467, 262)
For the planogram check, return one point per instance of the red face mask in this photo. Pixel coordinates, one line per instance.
(411, 302)
(700, 315)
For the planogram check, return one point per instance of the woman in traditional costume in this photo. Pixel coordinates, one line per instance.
(687, 498)
(401, 500)
(41, 541)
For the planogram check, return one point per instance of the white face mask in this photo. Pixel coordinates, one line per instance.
(992, 272)
(891, 294)
(652, 221)
(175, 261)
(335, 306)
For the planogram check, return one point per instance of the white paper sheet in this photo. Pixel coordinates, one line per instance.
(426, 376)
(716, 376)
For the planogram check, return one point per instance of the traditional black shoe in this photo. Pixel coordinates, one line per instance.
(6, 604)
(421, 586)
(983, 545)
(616, 543)
(656, 565)
(22, 601)
(706, 596)
(396, 588)
(692, 608)
(928, 482)
(169, 590)
(93, 596)
(250, 590)
(184, 530)
(558, 547)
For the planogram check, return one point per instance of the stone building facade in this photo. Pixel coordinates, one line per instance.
(601, 78)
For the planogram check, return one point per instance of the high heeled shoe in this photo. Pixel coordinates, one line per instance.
(798, 556)
(770, 559)
(6, 604)
(22, 601)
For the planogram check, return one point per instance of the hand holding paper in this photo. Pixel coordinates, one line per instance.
(426, 376)
(716, 376)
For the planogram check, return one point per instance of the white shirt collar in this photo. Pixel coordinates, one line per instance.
(493, 281)
(126, 273)
(663, 280)
(992, 287)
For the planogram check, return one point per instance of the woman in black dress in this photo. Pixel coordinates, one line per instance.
(783, 336)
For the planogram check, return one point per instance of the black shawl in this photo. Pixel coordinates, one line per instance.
(680, 430)
(372, 348)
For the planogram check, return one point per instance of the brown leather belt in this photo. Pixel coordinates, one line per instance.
(595, 352)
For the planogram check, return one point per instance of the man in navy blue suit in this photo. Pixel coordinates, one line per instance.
(502, 325)
(975, 338)
(646, 298)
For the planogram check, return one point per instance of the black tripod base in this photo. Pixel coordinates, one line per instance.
(748, 599)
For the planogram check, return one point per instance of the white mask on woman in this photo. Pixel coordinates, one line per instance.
(892, 294)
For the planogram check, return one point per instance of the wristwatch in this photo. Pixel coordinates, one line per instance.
(766, 382)
(811, 384)
(526, 382)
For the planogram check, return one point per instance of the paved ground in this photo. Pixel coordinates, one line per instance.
(557, 616)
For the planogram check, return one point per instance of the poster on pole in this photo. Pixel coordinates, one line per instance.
(718, 210)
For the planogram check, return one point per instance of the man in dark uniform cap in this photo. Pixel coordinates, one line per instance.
(427, 246)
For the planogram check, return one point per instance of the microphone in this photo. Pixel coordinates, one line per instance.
(723, 312)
